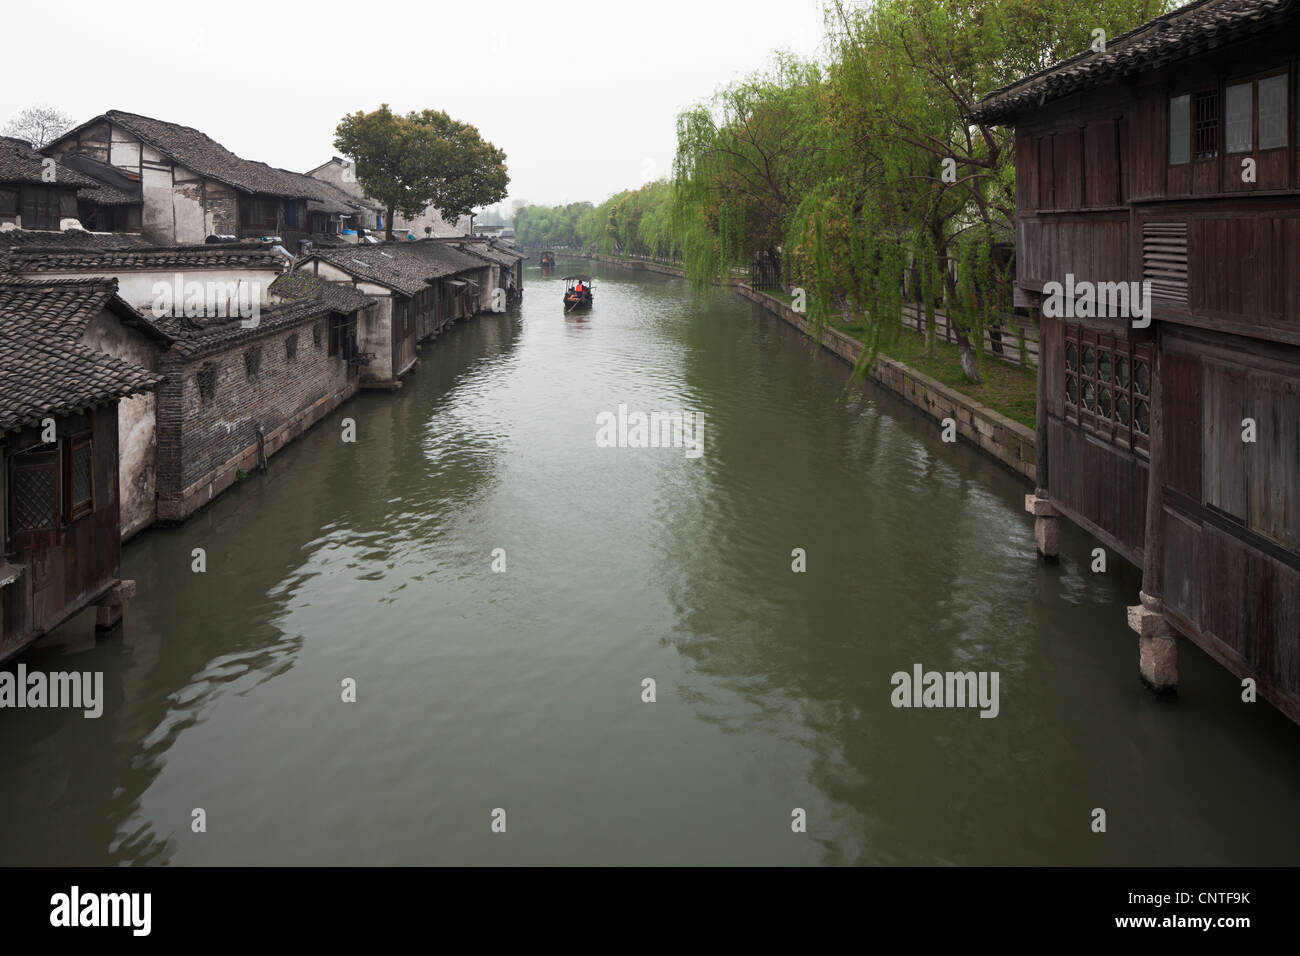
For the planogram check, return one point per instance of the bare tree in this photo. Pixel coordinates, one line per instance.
(38, 125)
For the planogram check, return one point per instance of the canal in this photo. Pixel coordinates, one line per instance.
(521, 689)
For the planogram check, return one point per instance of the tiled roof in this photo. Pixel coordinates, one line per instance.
(195, 338)
(107, 195)
(65, 307)
(1185, 32)
(14, 240)
(404, 266)
(21, 164)
(493, 253)
(44, 372)
(69, 239)
(216, 255)
(199, 152)
(336, 295)
(335, 199)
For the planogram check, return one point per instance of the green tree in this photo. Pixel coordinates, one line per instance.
(422, 159)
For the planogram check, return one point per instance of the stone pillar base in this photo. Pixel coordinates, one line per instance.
(1157, 649)
(111, 607)
(1047, 526)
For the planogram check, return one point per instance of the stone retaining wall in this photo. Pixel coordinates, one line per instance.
(1008, 442)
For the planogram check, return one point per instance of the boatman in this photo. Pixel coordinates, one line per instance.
(579, 288)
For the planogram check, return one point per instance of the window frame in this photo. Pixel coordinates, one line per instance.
(40, 200)
(1116, 347)
(40, 458)
(74, 510)
(1282, 73)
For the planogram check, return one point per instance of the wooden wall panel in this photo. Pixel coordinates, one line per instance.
(1223, 463)
(1183, 576)
(1181, 393)
(1273, 465)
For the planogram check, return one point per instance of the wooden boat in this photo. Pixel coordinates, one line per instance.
(577, 293)
(548, 260)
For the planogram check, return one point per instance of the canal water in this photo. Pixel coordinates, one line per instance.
(522, 690)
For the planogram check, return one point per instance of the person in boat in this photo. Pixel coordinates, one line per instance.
(578, 287)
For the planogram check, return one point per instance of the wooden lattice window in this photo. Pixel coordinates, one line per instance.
(40, 207)
(34, 500)
(1108, 385)
(1205, 125)
(79, 477)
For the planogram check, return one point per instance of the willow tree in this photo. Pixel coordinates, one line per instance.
(744, 162)
(905, 77)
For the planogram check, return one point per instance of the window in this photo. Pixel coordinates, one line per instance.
(1205, 132)
(1108, 385)
(206, 379)
(40, 208)
(290, 213)
(262, 212)
(253, 363)
(1180, 129)
(343, 331)
(291, 347)
(34, 500)
(1272, 112)
(1239, 116)
(79, 477)
(316, 335)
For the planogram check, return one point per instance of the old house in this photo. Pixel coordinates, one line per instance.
(235, 393)
(161, 279)
(37, 193)
(59, 481)
(91, 313)
(507, 272)
(421, 287)
(192, 187)
(1169, 426)
(430, 223)
(367, 215)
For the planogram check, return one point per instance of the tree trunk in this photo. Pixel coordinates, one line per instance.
(956, 330)
(388, 224)
(969, 363)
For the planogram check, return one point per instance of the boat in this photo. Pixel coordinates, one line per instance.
(548, 259)
(577, 293)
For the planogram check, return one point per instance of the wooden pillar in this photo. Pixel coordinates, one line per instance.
(1157, 650)
(1047, 521)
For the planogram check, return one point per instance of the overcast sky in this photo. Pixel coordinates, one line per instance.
(582, 96)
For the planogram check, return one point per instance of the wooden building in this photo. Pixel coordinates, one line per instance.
(59, 481)
(192, 187)
(422, 288)
(1172, 434)
(36, 195)
(92, 313)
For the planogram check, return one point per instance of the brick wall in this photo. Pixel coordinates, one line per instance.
(205, 437)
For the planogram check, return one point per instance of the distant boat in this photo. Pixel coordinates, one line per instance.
(548, 259)
(577, 293)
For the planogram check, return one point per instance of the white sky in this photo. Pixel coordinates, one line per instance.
(269, 80)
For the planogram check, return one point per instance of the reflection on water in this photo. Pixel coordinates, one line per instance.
(521, 688)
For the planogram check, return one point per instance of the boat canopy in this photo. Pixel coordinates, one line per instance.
(577, 278)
